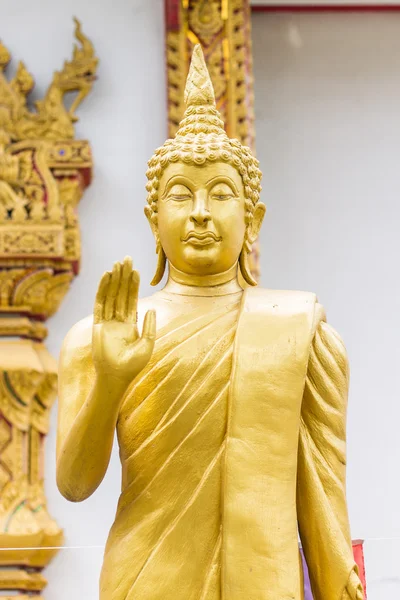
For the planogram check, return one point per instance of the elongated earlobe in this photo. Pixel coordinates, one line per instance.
(245, 267)
(161, 258)
(250, 237)
(161, 262)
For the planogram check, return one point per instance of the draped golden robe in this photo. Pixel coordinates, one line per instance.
(231, 440)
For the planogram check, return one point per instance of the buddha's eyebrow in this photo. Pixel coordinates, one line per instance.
(223, 179)
(175, 180)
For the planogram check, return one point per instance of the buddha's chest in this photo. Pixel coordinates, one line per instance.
(190, 369)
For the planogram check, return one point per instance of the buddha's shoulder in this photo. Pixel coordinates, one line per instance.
(285, 304)
(79, 335)
(266, 295)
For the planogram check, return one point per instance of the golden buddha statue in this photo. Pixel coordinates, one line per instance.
(230, 407)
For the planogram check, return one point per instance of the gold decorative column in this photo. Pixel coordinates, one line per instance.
(223, 28)
(43, 173)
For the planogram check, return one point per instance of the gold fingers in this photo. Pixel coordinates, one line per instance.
(117, 294)
(98, 313)
(121, 305)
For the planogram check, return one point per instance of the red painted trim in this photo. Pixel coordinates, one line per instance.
(171, 9)
(326, 8)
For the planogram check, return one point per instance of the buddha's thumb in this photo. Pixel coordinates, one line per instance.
(149, 326)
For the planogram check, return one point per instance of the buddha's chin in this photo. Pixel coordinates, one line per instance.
(201, 258)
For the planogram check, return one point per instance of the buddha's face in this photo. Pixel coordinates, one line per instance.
(201, 217)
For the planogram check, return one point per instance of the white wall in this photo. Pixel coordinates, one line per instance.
(328, 128)
(327, 89)
(125, 120)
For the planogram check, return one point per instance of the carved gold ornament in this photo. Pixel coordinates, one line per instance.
(43, 174)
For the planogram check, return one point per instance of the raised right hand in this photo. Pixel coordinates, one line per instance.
(118, 350)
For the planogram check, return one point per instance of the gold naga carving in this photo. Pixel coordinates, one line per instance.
(229, 401)
(223, 28)
(44, 171)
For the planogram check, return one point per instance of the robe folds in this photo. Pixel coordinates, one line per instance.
(232, 440)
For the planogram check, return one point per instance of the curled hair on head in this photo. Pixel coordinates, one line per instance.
(213, 149)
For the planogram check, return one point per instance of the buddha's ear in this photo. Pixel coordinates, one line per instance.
(148, 212)
(253, 229)
(256, 222)
(161, 258)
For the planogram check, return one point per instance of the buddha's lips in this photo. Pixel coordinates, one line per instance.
(206, 237)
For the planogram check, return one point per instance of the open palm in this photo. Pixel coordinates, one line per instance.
(118, 349)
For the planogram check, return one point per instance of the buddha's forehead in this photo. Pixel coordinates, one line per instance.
(201, 175)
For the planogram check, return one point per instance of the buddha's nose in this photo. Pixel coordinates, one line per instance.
(200, 213)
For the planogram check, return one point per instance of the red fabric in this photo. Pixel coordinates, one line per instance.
(359, 558)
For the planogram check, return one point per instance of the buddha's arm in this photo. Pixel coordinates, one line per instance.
(99, 359)
(321, 498)
(88, 411)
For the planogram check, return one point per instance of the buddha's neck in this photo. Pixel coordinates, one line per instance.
(219, 284)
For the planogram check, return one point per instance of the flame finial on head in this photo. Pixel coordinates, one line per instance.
(201, 114)
(199, 89)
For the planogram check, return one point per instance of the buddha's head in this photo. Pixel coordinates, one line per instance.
(203, 190)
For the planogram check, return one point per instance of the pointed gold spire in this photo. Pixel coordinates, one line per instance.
(201, 114)
(199, 89)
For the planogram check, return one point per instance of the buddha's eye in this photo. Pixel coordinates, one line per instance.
(221, 192)
(179, 193)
